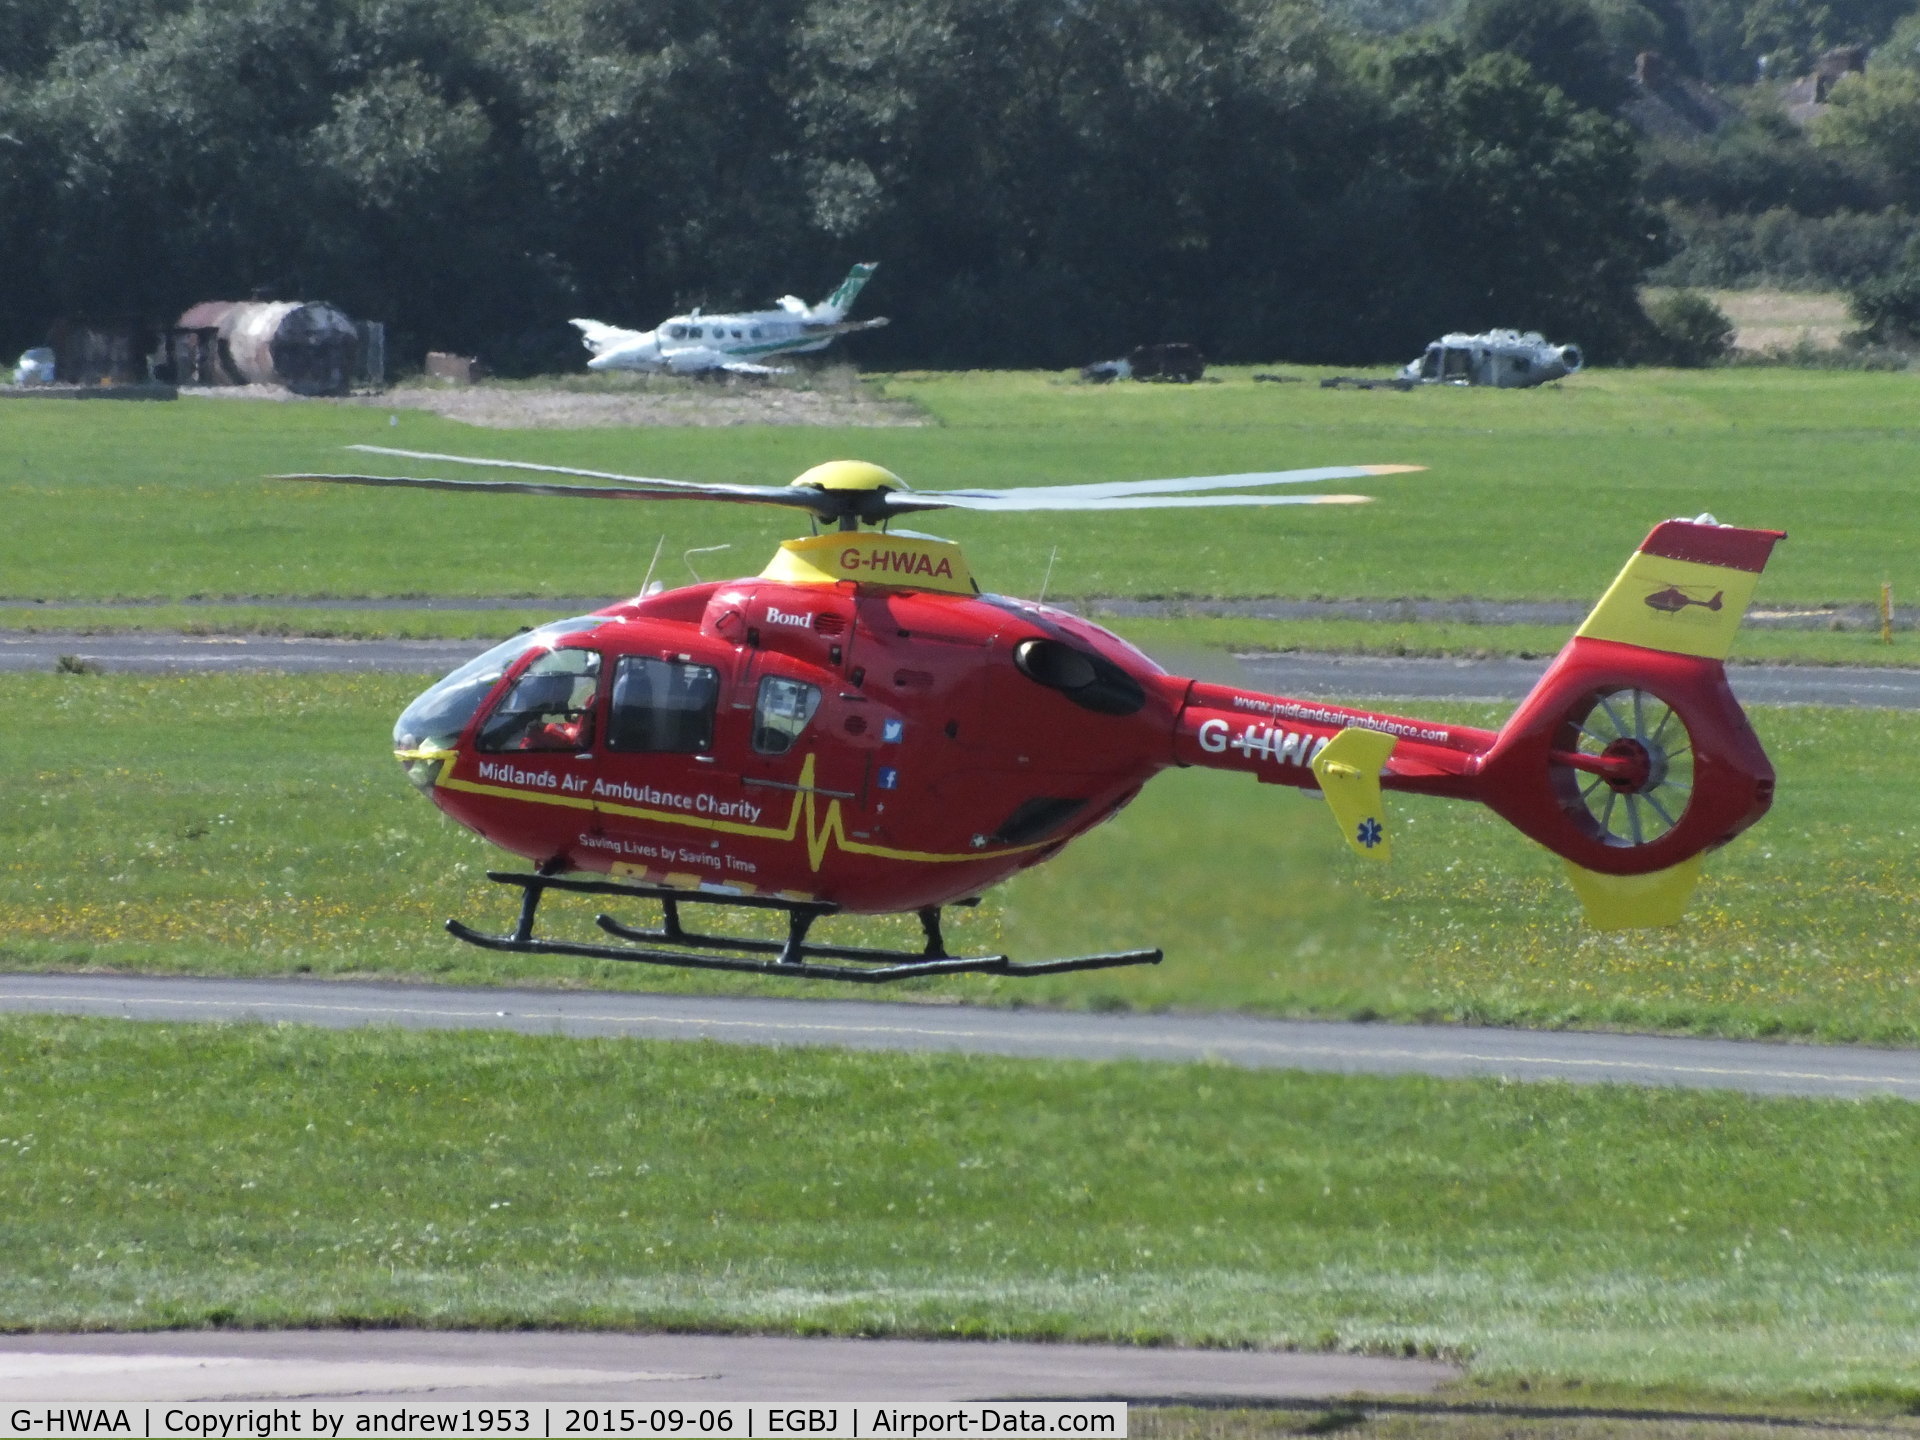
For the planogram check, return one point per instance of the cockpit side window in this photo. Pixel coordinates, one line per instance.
(662, 706)
(676, 332)
(781, 713)
(437, 717)
(550, 706)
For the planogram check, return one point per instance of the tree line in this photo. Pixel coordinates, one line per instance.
(1044, 181)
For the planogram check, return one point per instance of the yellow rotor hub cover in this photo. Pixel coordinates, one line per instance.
(849, 475)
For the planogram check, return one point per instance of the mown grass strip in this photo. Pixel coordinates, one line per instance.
(162, 1175)
(1529, 494)
(483, 627)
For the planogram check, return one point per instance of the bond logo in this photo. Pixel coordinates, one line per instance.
(777, 616)
(896, 562)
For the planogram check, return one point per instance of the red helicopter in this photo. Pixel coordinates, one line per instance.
(860, 728)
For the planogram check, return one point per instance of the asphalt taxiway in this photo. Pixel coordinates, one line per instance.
(434, 1365)
(1755, 1067)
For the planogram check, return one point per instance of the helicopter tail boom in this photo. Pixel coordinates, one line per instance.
(1629, 759)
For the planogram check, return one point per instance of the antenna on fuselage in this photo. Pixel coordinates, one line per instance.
(1047, 579)
(700, 550)
(647, 583)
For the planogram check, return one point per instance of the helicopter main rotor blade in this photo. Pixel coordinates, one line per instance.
(874, 506)
(809, 500)
(765, 492)
(1115, 489)
(903, 503)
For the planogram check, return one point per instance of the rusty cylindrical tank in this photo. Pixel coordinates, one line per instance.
(307, 346)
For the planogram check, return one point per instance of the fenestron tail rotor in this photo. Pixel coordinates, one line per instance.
(850, 493)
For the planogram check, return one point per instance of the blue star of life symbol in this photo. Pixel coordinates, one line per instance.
(1369, 833)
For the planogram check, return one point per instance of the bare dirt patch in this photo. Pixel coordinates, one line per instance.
(1774, 321)
(647, 401)
(833, 397)
(1782, 319)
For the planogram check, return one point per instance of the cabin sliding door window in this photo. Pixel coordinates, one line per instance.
(781, 713)
(662, 706)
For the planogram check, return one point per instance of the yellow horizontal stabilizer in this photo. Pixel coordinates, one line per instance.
(1349, 767)
(1628, 902)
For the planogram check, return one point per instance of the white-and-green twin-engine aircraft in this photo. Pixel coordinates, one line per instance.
(742, 343)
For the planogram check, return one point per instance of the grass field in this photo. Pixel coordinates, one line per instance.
(231, 824)
(483, 627)
(1530, 494)
(1647, 1244)
(174, 1175)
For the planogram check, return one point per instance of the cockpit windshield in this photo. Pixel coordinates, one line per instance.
(434, 721)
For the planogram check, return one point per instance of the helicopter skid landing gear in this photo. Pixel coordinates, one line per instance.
(793, 957)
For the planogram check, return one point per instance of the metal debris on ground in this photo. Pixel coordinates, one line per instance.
(1177, 362)
(1363, 382)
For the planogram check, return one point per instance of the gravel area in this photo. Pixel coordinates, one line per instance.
(836, 401)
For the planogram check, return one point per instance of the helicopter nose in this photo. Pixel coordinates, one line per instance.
(425, 731)
(425, 734)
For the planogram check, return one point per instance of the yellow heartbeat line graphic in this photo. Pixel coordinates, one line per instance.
(819, 833)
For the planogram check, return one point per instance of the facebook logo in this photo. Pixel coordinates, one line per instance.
(889, 778)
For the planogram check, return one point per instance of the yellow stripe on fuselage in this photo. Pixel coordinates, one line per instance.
(819, 833)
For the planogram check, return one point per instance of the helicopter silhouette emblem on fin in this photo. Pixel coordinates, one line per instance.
(1673, 600)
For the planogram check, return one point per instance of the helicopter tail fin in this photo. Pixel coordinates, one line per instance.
(1684, 590)
(1632, 757)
